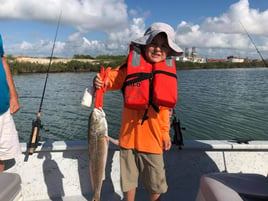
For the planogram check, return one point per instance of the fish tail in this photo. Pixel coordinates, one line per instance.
(95, 199)
(96, 196)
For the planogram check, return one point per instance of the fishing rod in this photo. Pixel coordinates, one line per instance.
(264, 62)
(37, 124)
(176, 124)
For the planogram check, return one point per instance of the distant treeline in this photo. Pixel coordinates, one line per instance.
(216, 65)
(100, 57)
(112, 61)
(71, 66)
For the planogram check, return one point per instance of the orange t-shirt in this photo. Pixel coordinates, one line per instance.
(147, 137)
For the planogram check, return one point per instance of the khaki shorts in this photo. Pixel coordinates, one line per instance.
(149, 166)
(9, 141)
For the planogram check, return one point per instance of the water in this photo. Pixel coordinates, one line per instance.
(224, 104)
(213, 104)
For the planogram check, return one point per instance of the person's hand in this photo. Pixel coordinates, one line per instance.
(167, 144)
(14, 105)
(98, 82)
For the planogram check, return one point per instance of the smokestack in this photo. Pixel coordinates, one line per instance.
(194, 53)
(187, 52)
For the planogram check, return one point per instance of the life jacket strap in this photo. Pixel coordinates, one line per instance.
(138, 78)
(165, 72)
(145, 116)
(156, 108)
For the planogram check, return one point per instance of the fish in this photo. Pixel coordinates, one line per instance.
(98, 138)
(98, 142)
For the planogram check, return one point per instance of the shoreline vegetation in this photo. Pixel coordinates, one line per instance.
(86, 63)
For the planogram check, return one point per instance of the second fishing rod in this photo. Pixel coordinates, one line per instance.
(264, 62)
(37, 124)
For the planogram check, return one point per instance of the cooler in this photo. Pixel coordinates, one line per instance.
(10, 187)
(233, 187)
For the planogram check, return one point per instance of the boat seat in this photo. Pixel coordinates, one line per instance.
(10, 187)
(233, 187)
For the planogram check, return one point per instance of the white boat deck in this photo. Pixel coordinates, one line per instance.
(58, 171)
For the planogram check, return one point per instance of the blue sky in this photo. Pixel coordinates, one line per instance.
(96, 27)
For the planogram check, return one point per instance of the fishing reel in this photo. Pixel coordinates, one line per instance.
(35, 138)
(177, 138)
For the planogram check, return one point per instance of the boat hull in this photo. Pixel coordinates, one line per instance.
(59, 169)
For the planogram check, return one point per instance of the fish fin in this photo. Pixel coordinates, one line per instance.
(103, 176)
(114, 141)
(91, 178)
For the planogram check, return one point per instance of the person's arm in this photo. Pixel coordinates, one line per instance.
(115, 79)
(14, 101)
(164, 113)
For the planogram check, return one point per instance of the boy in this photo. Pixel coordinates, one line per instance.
(145, 125)
(9, 104)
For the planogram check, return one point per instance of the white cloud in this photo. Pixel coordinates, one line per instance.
(225, 34)
(216, 36)
(84, 15)
(117, 42)
(229, 22)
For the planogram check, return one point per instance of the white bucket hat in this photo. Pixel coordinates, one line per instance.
(155, 29)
